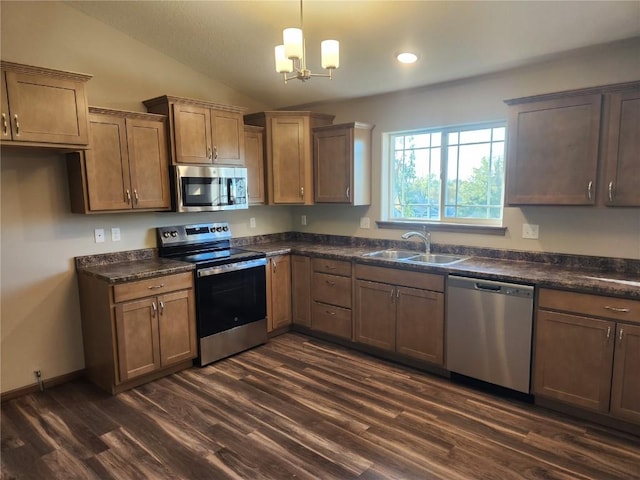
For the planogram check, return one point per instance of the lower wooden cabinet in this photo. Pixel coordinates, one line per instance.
(331, 297)
(400, 311)
(587, 352)
(278, 292)
(137, 331)
(301, 290)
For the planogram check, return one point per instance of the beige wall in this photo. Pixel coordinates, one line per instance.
(40, 322)
(611, 232)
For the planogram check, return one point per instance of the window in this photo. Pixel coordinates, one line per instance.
(453, 174)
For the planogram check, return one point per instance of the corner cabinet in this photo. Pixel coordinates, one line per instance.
(137, 331)
(342, 163)
(400, 311)
(587, 352)
(288, 153)
(575, 148)
(278, 292)
(202, 132)
(43, 107)
(127, 167)
(254, 161)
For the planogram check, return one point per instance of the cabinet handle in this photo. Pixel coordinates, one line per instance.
(215, 152)
(155, 309)
(397, 294)
(392, 292)
(209, 154)
(301, 192)
(135, 194)
(128, 194)
(161, 307)
(617, 309)
(347, 193)
(330, 283)
(589, 190)
(15, 118)
(5, 126)
(329, 267)
(611, 191)
(328, 312)
(621, 334)
(273, 266)
(155, 287)
(608, 332)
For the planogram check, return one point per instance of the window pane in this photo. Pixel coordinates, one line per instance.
(498, 134)
(475, 136)
(399, 142)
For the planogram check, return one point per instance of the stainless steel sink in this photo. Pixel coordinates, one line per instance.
(391, 254)
(435, 259)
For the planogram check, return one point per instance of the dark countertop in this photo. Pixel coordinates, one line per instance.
(532, 273)
(135, 269)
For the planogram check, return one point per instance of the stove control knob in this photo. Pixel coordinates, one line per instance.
(218, 229)
(174, 233)
(212, 229)
(166, 235)
(225, 228)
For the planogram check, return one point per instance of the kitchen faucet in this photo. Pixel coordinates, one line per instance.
(426, 238)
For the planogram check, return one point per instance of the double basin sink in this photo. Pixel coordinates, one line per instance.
(409, 256)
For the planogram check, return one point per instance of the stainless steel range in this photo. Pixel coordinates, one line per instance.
(230, 287)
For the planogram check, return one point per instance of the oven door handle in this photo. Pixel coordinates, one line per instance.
(232, 267)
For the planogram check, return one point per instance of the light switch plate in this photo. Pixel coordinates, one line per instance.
(530, 230)
(252, 222)
(98, 235)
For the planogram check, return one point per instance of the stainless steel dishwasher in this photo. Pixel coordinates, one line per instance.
(489, 328)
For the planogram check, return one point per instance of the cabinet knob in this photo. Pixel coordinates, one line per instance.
(611, 191)
(347, 193)
(301, 192)
(589, 190)
(5, 126)
(17, 123)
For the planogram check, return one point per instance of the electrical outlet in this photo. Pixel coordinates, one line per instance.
(115, 234)
(303, 220)
(530, 230)
(98, 235)
(365, 222)
(252, 222)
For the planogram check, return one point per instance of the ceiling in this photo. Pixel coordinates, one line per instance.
(233, 41)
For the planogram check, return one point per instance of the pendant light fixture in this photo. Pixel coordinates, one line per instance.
(291, 55)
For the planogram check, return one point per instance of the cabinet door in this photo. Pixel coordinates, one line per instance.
(573, 359)
(149, 163)
(553, 151)
(375, 322)
(254, 161)
(420, 324)
(333, 161)
(107, 164)
(288, 157)
(625, 393)
(47, 109)
(176, 322)
(4, 104)
(279, 292)
(137, 338)
(301, 290)
(622, 177)
(192, 126)
(227, 137)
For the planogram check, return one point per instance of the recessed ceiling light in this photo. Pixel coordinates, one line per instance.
(407, 57)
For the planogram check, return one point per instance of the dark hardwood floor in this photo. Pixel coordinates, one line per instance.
(301, 408)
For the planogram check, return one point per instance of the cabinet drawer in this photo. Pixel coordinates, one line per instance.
(333, 267)
(331, 289)
(332, 320)
(152, 286)
(405, 278)
(594, 305)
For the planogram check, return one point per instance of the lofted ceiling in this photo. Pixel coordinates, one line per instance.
(233, 41)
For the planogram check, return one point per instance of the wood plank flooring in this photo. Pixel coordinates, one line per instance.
(301, 408)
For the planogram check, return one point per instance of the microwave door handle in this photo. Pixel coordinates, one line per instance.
(229, 195)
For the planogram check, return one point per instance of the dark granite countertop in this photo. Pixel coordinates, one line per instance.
(588, 280)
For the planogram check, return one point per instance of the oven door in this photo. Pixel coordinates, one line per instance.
(230, 295)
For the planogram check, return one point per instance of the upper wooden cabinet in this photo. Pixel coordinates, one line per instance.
(254, 161)
(43, 107)
(127, 166)
(202, 132)
(342, 163)
(621, 177)
(288, 153)
(575, 148)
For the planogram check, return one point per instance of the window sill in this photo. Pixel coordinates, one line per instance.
(444, 227)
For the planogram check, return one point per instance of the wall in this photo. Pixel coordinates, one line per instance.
(600, 231)
(40, 322)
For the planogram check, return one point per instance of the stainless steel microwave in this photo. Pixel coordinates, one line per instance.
(206, 189)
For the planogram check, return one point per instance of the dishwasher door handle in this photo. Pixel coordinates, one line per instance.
(487, 287)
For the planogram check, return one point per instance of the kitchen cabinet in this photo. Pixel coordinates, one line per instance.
(42, 107)
(621, 186)
(331, 297)
(202, 132)
(342, 163)
(301, 290)
(127, 167)
(288, 153)
(587, 352)
(278, 292)
(254, 161)
(400, 311)
(575, 148)
(137, 331)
